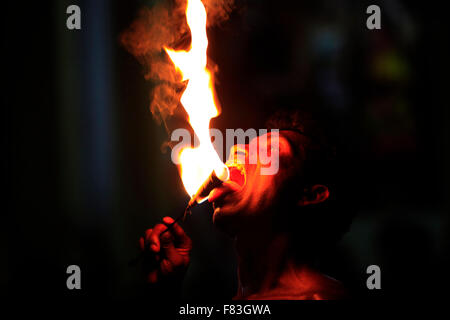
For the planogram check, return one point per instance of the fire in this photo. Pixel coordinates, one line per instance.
(198, 101)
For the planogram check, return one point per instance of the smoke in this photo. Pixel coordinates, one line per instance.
(164, 24)
(218, 11)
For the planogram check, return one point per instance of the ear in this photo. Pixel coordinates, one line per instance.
(314, 195)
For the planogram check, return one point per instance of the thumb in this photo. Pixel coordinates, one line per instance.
(167, 246)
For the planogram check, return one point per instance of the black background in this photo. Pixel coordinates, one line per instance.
(85, 176)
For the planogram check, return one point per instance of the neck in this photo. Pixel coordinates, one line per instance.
(265, 265)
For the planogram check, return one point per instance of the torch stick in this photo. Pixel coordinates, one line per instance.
(181, 216)
(212, 182)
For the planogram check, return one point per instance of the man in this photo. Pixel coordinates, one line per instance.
(279, 222)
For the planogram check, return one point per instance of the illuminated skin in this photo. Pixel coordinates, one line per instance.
(250, 213)
(236, 206)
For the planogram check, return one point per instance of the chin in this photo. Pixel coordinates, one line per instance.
(226, 220)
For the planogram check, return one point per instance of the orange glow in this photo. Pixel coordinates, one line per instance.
(198, 101)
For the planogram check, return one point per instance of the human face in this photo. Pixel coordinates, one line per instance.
(249, 193)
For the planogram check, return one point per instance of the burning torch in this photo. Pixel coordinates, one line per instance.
(198, 100)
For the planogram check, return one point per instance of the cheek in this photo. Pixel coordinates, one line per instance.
(265, 187)
(265, 192)
(277, 173)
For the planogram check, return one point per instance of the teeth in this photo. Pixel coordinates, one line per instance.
(236, 165)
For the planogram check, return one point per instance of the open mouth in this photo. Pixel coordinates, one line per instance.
(235, 183)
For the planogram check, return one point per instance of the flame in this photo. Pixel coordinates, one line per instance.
(198, 101)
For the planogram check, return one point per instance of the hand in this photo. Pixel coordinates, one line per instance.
(166, 254)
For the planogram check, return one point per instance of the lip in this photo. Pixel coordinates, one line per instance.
(235, 183)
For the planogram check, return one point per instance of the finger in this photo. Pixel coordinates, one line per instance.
(148, 232)
(154, 237)
(180, 236)
(167, 245)
(166, 267)
(152, 276)
(147, 237)
(142, 243)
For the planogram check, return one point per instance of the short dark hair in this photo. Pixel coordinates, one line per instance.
(323, 224)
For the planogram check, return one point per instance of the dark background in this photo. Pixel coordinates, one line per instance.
(84, 174)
